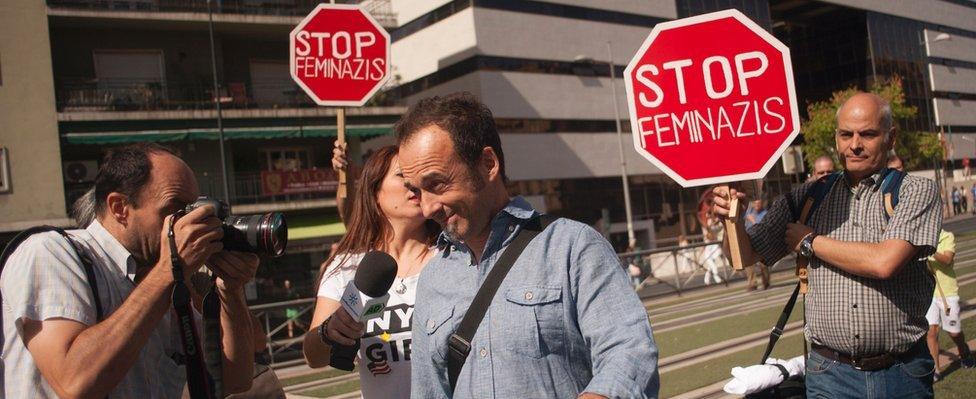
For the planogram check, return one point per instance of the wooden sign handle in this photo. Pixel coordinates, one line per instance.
(734, 233)
(341, 127)
(803, 262)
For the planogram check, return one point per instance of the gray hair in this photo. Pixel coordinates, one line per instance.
(83, 210)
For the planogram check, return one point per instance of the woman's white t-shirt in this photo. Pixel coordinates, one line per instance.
(384, 353)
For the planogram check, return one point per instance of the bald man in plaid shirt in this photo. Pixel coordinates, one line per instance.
(869, 288)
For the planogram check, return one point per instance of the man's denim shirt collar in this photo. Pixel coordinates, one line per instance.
(518, 210)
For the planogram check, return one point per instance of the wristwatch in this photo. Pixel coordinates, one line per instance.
(806, 245)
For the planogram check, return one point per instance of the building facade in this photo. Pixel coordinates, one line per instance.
(81, 77)
(78, 77)
(544, 70)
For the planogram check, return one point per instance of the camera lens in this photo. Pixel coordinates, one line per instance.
(264, 234)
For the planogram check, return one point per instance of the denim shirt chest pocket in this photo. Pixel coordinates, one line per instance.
(439, 329)
(531, 320)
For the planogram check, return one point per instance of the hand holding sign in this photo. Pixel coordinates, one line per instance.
(712, 101)
(340, 56)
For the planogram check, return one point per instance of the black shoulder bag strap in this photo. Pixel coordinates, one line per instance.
(459, 343)
(199, 382)
(86, 261)
(811, 201)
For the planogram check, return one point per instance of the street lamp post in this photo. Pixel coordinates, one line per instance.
(216, 95)
(584, 59)
(620, 145)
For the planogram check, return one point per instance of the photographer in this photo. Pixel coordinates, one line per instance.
(54, 343)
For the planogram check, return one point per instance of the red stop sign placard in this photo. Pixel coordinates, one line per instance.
(339, 55)
(711, 99)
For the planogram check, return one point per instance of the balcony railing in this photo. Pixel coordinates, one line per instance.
(380, 9)
(81, 95)
(248, 190)
(262, 7)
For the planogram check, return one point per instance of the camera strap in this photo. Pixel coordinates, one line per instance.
(198, 380)
(213, 352)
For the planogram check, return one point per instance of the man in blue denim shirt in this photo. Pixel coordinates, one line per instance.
(564, 323)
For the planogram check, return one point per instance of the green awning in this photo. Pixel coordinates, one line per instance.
(229, 134)
(314, 226)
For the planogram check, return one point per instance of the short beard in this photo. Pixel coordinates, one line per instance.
(451, 232)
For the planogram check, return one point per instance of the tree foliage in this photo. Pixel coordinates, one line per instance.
(916, 149)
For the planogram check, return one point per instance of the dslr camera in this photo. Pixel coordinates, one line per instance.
(263, 234)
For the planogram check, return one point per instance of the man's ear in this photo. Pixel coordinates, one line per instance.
(490, 167)
(892, 138)
(117, 207)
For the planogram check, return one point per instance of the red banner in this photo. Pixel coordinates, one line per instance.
(298, 181)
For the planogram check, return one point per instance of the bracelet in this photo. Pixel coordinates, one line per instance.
(322, 333)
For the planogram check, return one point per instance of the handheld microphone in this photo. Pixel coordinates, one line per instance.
(364, 299)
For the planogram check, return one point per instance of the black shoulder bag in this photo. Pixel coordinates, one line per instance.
(460, 341)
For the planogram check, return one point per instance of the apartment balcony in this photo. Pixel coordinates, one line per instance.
(256, 192)
(84, 95)
(95, 99)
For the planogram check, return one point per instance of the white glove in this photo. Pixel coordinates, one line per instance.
(752, 379)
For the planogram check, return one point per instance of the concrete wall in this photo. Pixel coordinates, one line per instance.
(569, 156)
(470, 83)
(408, 10)
(528, 95)
(955, 112)
(963, 145)
(656, 8)
(434, 47)
(933, 11)
(537, 96)
(512, 34)
(953, 79)
(28, 122)
(957, 47)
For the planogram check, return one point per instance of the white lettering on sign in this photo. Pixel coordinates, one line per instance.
(337, 55)
(670, 127)
(722, 76)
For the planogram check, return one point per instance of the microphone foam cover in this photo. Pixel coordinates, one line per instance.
(375, 273)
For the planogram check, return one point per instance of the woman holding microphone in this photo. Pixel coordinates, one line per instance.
(384, 216)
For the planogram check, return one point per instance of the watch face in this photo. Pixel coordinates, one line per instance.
(806, 247)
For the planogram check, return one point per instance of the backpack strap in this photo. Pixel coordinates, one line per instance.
(86, 261)
(812, 200)
(459, 343)
(890, 188)
(814, 197)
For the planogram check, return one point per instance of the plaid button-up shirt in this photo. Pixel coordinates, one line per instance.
(43, 279)
(858, 315)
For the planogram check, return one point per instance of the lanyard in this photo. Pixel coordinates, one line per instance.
(201, 383)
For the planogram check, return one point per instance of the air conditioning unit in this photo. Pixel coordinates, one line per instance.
(80, 171)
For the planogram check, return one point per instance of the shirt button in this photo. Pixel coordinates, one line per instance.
(483, 352)
(854, 306)
(511, 228)
(430, 324)
(528, 295)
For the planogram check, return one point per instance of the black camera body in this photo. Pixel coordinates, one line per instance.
(263, 234)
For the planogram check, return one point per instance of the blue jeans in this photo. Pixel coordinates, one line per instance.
(830, 379)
